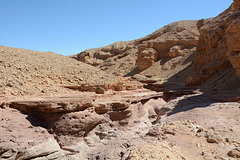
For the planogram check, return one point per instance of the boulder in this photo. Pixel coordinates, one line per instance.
(235, 153)
(100, 90)
(44, 149)
(73, 126)
(146, 58)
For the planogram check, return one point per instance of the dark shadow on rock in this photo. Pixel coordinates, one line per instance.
(164, 60)
(182, 75)
(36, 121)
(222, 87)
(189, 103)
(43, 120)
(189, 59)
(133, 72)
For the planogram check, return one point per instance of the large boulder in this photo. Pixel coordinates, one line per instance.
(146, 58)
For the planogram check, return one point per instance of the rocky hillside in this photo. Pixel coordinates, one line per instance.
(218, 49)
(178, 39)
(55, 107)
(29, 72)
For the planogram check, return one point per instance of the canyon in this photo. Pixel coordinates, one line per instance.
(174, 94)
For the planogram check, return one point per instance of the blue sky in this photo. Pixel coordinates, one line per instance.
(70, 26)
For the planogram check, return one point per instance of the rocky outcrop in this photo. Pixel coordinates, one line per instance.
(172, 40)
(53, 104)
(218, 47)
(98, 55)
(146, 58)
(66, 121)
(118, 125)
(19, 139)
(121, 58)
(233, 43)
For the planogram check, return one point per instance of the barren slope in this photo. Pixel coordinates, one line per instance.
(27, 71)
(126, 58)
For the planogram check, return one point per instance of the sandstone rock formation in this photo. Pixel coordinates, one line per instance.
(146, 58)
(118, 124)
(54, 107)
(22, 140)
(61, 123)
(168, 53)
(121, 58)
(218, 47)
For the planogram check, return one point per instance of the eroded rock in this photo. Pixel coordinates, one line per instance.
(44, 149)
(146, 58)
(72, 126)
(176, 39)
(218, 47)
(235, 153)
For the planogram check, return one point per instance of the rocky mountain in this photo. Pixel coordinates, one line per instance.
(123, 58)
(168, 54)
(173, 94)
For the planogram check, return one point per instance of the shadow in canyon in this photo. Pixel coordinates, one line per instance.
(222, 87)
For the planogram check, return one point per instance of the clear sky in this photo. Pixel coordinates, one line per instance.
(70, 26)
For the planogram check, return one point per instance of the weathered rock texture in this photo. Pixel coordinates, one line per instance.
(146, 58)
(120, 125)
(108, 117)
(53, 126)
(218, 47)
(122, 58)
(168, 53)
(236, 5)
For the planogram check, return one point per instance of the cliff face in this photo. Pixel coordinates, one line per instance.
(233, 39)
(175, 39)
(218, 47)
(171, 49)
